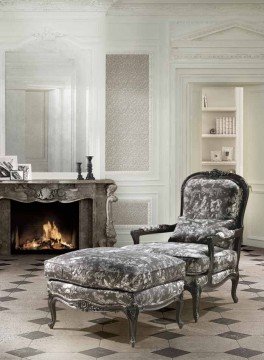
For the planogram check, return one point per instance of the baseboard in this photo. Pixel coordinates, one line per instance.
(254, 241)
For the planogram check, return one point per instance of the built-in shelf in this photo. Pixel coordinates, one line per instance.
(217, 109)
(218, 136)
(222, 163)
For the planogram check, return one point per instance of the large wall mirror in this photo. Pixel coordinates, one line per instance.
(44, 88)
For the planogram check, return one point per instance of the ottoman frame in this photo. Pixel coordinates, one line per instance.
(131, 311)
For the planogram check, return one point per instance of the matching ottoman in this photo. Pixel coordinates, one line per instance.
(110, 279)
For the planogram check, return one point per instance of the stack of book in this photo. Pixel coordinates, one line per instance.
(226, 125)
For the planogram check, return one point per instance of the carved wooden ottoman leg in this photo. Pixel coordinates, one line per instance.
(179, 307)
(52, 308)
(132, 316)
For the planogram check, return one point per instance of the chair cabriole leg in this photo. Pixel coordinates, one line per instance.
(235, 280)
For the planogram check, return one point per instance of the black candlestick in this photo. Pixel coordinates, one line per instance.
(79, 171)
(89, 168)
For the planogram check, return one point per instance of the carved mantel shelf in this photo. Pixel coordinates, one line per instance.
(53, 190)
(98, 231)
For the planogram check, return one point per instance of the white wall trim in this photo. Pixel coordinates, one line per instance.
(152, 200)
(183, 77)
(256, 241)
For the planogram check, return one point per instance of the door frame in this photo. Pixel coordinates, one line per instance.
(182, 80)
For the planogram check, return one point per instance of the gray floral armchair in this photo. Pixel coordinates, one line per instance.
(208, 234)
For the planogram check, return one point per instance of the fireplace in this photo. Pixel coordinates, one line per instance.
(56, 215)
(44, 227)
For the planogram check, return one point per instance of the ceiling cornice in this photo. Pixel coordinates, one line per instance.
(187, 8)
(56, 5)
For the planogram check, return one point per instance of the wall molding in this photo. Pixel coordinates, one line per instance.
(179, 55)
(152, 52)
(200, 34)
(56, 5)
(185, 9)
(150, 198)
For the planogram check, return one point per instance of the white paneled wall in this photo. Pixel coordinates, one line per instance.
(164, 51)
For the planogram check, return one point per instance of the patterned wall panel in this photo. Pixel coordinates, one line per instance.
(127, 112)
(131, 212)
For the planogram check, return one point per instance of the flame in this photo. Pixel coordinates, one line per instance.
(50, 239)
(51, 232)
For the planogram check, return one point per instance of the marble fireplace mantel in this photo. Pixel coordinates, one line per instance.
(95, 217)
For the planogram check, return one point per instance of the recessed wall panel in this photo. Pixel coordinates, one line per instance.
(127, 112)
(131, 212)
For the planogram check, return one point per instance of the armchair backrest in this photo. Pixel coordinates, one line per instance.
(214, 195)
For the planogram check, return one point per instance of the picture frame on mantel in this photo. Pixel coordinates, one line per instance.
(27, 171)
(8, 163)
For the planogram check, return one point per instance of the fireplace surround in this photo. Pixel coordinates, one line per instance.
(56, 215)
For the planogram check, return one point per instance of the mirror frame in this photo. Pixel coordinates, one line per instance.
(91, 59)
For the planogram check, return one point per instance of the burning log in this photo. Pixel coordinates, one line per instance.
(51, 239)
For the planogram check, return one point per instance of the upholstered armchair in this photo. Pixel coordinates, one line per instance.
(208, 234)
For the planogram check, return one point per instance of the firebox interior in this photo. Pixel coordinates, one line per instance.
(41, 227)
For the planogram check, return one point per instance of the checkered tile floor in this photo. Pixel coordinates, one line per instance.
(225, 330)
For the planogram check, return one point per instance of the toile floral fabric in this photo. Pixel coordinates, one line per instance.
(202, 280)
(157, 296)
(195, 255)
(197, 230)
(115, 269)
(218, 199)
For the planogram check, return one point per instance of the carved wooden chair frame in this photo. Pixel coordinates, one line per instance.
(194, 286)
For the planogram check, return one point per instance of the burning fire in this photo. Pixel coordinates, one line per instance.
(51, 239)
(50, 231)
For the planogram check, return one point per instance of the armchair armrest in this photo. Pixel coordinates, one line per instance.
(236, 236)
(151, 230)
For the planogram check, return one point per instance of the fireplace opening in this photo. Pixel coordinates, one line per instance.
(41, 227)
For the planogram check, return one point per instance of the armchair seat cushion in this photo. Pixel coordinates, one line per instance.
(195, 255)
(196, 230)
(115, 269)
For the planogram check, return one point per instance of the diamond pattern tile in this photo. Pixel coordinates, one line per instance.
(13, 290)
(245, 282)
(33, 270)
(101, 335)
(7, 298)
(41, 321)
(252, 290)
(46, 309)
(103, 321)
(25, 352)
(163, 321)
(244, 352)
(170, 352)
(28, 275)
(35, 335)
(97, 334)
(22, 282)
(258, 298)
(225, 321)
(167, 335)
(217, 309)
(233, 335)
(37, 264)
(212, 299)
(98, 352)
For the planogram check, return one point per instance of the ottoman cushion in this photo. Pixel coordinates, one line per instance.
(115, 269)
